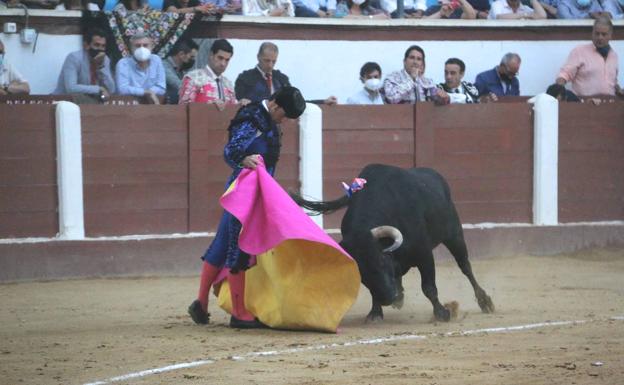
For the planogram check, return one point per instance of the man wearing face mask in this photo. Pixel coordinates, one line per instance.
(180, 60)
(593, 68)
(11, 81)
(579, 9)
(459, 90)
(142, 74)
(502, 80)
(87, 71)
(208, 84)
(370, 75)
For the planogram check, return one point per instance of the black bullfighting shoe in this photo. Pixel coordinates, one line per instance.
(242, 324)
(198, 314)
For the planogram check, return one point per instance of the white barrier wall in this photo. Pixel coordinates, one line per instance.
(321, 67)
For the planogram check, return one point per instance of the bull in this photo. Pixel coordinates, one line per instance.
(393, 224)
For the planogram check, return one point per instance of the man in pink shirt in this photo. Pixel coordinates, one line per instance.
(593, 68)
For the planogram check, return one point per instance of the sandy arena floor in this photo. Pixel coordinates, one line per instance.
(85, 331)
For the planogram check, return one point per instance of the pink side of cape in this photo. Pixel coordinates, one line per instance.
(268, 215)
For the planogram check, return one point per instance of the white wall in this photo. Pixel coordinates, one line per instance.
(321, 68)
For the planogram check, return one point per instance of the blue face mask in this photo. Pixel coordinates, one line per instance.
(583, 3)
(604, 51)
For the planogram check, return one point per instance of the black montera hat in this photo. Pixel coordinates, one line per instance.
(291, 100)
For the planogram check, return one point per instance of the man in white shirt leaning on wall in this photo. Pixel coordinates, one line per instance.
(515, 10)
(11, 81)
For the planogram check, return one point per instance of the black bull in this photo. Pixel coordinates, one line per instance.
(393, 224)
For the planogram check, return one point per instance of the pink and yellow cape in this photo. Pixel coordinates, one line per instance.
(302, 278)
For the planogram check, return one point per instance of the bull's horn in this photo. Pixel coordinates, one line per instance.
(389, 232)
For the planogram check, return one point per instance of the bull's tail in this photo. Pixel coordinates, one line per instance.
(320, 207)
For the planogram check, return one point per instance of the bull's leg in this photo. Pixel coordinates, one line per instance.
(428, 285)
(398, 302)
(376, 313)
(457, 247)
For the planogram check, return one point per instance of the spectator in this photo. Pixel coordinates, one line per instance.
(514, 9)
(88, 71)
(11, 81)
(253, 84)
(38, 4)
(357, 9)
(303, 10)
(614, 7)
(451, 9)
(230, 7)
(208, 84)
(268, 8)
(550, 7)
(322, 8)
(180, 60)
(370, 76)
(562, 94)
(412, 9)
(593, 68)
(261, 82)
(409, 84)
(143, 74)
(578, 9)
(502, 80)
(188, 6)
(482, 8)
(459, 90)
(67, 5)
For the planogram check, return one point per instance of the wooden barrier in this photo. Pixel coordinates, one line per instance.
(485, 152)
(28, 187)
(591, 162)
(135, 169)
(160, 169)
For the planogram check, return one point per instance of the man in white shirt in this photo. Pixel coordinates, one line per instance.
(11, 81)
(370, 75)
(514, 10)
(142, 74)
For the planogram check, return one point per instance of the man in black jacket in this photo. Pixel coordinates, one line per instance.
(262, 81)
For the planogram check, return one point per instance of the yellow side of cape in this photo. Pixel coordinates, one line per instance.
(299, 285)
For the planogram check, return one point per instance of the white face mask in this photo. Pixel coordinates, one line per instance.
(358, 2)
(142, 54)
(372, 84)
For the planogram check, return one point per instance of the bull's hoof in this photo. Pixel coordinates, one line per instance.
(486, 304)
(453, 307)
(443, 314)
(398, 303)
(374, 317)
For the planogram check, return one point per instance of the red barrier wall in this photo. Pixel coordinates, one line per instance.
(485, 152)
(591, 162)
(135, 169)
(160, 169)
(28, 189)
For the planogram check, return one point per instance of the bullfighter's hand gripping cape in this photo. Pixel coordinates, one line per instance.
(302, 278)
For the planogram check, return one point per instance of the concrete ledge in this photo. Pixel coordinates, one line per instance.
(180, 256)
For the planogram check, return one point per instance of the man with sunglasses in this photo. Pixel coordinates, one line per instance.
(501, 80)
